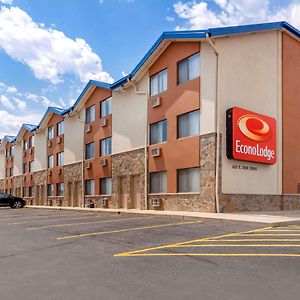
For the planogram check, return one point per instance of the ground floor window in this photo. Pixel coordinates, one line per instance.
(188, 180)
(60, 189)
(30, 191)
(89, 187)
(158, 182)
(105, 186)
(50, 190)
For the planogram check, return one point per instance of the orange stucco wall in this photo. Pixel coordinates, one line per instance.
(96, 134)
(9, 164)
(290, 113)
(178, 99)
(53, 150)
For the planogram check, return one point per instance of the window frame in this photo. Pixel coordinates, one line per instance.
(151, 174)
(188, 124)
(187, 59)
(85, 154)
(157, 74)
(101, 147)
(60, 157)
(110, 107)
(52, 189)
(50, 129)
(85, 187)
(31, 142)
(60, 127)
(60, 192)
(87, 111)
(107, 179)
(165, 121)
(31, 166)
(188, 180)
(48, 164)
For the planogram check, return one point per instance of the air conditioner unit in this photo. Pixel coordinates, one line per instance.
(103, 122)
(58, 171)
(156, 202)
(88, 165)
(49, 143)
(103, 162)
(155, 152)
(58, 140)
(104, 202)
(88, 128)
(49, 172)
(155, 102)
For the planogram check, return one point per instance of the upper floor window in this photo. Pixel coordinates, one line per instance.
(50, 133)
(158, 132)
(89, 151)
(105, 186)
(12, 151)
(105, 147)
(6, 152)
(50, 161)
(60, 158)
(189, 124)
(159, 82)
(90, 114)
(24, 168)
(7, 172)
(11, 171)
(188, 180)
(60, 189)
(31, 141)
(105, 108)
(188, 68)
(89, 187)
(25, 145)
(60, 128)
(31, 166)
(158, 182)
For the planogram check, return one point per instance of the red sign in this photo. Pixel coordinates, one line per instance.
(250, 136)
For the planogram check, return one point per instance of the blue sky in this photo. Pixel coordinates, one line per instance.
(49, 49)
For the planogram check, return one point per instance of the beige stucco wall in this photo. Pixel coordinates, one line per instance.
(40, 153)
(250, 78)
(208, 89)
(73, 138)
(2, 165)
(129, 111)
(18, 159)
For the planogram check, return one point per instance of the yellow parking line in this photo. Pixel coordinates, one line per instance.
(271, 234)
(125, 230)
(211, 239)
(254, 240)
(213, 254)
(237, 245)
(279, 230)
(56, 219)
(82, 223)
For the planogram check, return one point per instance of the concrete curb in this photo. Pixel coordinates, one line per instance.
(270, 220)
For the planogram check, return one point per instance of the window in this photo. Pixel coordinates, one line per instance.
(90, 114)
(6, 172)
(50, 190)
(105, 108)
(31, 142)
(89, 187)
(60, 189)
(25, 145)
(60, 128)
(31, 166)
(60, 158)
(30, 191)
(50, 133)
(105, 186)
(24, 168)
(188, 68)
(6, 152)
(50, 161)
(11, 171)
(188, 180)
(159, 82)
(89, 151)
(24, 191)
(105, 147)
(158, 182)
(158, 132)
(189, 124)
(12, 151)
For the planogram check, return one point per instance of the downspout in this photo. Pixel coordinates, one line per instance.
(146, 143)
(217, 125)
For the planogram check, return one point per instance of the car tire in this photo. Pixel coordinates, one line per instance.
(16, 204)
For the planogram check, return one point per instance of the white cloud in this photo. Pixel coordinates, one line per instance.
(200, 15)
(48, 52)
(6, 102)
(20, 103)
(11, 90)
(124, 73)
(170, 19)
(6, 1)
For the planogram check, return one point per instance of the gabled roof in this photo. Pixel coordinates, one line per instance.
(88, 89)
(52, 110)
(161, 42)
(25, 127)
(7, 139)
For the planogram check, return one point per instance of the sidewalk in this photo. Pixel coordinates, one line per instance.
(272, 218)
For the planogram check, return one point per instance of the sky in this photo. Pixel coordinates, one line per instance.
(50, 49)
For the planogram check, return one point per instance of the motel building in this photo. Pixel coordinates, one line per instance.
(207, 121)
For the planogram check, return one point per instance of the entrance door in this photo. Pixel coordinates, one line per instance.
(123, 193)
(135, 191)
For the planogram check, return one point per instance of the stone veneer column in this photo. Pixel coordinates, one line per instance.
(40, 187)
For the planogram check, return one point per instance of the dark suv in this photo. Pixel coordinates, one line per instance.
(12, 201)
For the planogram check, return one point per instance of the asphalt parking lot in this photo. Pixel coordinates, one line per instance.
(51, 254)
